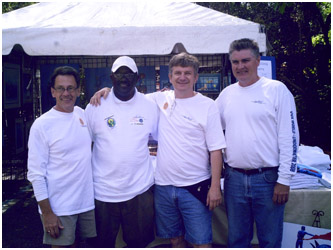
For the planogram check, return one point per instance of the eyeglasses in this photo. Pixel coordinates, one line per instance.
(128, 76)
(61, 90)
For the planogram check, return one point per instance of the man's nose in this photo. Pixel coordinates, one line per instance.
(241, 65)
(182, 76)
(66, 92)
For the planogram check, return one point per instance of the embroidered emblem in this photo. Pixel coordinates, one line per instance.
(82, 122)
(137, 120)
(259, 102)
(187, 118)
(165, 105)
(111, 122)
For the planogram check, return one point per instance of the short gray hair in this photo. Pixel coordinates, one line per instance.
(244, 43)
(184, 60)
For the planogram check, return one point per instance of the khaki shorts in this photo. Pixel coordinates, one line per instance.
(83, 224)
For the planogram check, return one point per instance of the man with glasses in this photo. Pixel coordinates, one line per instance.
(122, 168)
(59, 165)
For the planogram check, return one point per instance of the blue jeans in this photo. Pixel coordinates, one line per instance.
(178, 212)
(248, 198)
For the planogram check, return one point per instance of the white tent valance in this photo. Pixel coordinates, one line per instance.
(123, 28)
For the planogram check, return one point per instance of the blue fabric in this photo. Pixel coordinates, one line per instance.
(96, 79)
(179, 213)
(147, 78)
(248, 198)
(309, 170)
(164, 77)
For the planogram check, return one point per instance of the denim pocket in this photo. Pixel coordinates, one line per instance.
(271, 176)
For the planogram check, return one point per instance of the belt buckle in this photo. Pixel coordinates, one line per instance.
(247, 171)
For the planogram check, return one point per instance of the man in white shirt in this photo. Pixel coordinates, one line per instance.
(259, 119)
(189, 158)
(59, 165)
(122, 167)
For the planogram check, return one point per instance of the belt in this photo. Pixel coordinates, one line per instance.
(252, 171)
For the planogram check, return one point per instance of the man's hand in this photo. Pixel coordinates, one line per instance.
(281, 194)
(95, 100)
(214, 198)
(52, 224)
(165, 89)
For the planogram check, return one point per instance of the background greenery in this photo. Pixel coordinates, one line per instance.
(299, 37)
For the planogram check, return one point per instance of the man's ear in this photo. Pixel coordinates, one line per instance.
(196, 79)
(79, 90)
(112, 77)
(137, 77)
(53, 92)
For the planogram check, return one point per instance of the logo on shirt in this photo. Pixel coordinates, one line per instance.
(293, 166)
(137, 120)
(258, 101)
(110, 121)
(165, 106)
(82, 123)
(187, 118)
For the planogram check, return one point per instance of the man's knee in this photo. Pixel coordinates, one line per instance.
(178, 242)
(202, 246)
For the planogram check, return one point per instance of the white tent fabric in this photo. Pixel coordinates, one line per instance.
(123, 28)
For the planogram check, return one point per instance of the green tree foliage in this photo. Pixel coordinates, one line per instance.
(299, 37)
(9, 6)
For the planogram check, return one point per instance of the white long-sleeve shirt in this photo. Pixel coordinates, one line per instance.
(260, 127)
(59, 161)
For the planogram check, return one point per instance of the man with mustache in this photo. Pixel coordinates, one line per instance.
(59, 165)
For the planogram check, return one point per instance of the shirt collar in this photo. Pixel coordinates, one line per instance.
(116, 100)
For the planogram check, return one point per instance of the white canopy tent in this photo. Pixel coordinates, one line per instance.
(123, 28)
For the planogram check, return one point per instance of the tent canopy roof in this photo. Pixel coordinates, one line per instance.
(123, 28)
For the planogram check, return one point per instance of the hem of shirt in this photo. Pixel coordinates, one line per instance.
(115, 200)
(284, 181)
(218, 148)
(67, 213)
(182, 184)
